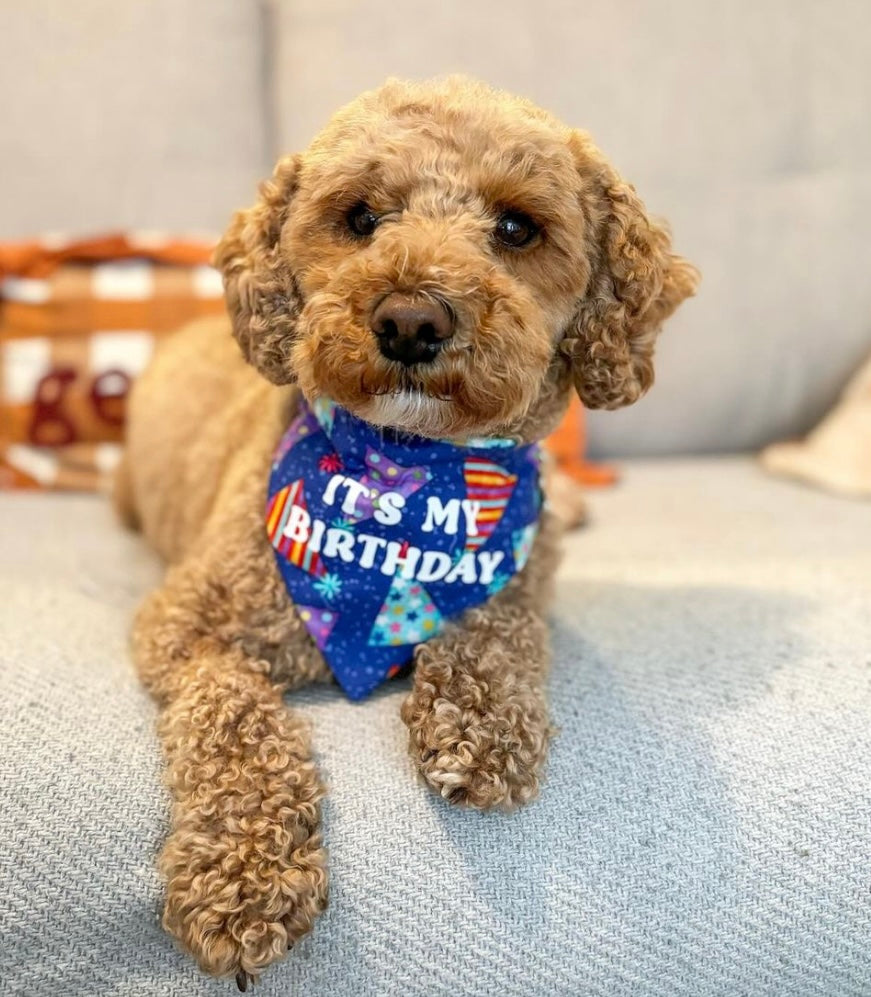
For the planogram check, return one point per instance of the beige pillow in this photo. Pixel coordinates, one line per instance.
(837, 454)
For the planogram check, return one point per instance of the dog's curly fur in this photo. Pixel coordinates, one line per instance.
(220, 643)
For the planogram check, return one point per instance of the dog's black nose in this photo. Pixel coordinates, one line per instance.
(411, 330)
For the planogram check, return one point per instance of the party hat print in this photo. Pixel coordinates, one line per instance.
(319, 622)
(301, 427)
(490, 487)
(407, 616)
(277, 515)
(522, 541)
(385, 475)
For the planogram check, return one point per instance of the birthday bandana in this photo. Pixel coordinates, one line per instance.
(381, 536)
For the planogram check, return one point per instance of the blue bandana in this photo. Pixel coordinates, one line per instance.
(381, 536)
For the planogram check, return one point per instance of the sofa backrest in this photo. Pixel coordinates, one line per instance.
(745, 124)
(129, 114)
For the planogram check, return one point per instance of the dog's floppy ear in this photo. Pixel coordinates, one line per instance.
(262, 297)
(636, 282)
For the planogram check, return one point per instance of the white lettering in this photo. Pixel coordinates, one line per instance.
(465, 569)
(330, 490)
(318, 528)
(442, 515)
(387, 510)
(434, 565)
(355, 489)
(409, 563)
(399, 557)
(339, 542)
(298, 523)
(392, 558)
(471, 510)
(370, 545)
(488, 562)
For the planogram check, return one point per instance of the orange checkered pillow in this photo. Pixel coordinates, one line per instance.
(78, 321)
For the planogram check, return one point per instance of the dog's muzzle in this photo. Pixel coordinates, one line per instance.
(411, 330)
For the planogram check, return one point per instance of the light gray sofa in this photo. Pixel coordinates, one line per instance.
(705, 829)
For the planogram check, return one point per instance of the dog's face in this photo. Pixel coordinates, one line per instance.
(447, 259)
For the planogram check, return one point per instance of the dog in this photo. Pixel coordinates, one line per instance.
(440, 269)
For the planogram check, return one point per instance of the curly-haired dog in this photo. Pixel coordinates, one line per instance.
(446, 260)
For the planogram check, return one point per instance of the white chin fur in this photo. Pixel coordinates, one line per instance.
(410, 411)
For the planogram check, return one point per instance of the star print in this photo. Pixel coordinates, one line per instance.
(329, 586)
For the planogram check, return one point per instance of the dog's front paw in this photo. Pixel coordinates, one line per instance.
(478, 743)
(241, 892)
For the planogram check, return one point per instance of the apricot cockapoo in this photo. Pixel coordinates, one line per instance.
(416, 295)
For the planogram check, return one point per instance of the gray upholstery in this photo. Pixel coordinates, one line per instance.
(704, 827)
(129, 115)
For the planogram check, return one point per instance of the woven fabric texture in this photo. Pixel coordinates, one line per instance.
(703, 832)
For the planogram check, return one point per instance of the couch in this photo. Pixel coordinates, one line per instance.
(704, 828)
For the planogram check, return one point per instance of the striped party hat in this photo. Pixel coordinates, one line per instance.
(490, 486)
(277, 513)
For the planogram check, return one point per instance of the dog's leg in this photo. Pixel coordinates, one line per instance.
(244, 865)
(477, 713)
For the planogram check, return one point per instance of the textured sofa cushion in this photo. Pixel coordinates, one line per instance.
(130, 114)
(704, 826)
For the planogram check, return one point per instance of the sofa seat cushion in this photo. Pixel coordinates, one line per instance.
(703, 829)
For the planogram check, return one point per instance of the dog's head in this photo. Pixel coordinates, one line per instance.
(448, 259)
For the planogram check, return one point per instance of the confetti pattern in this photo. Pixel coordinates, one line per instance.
(324, 411)
(319, 622)
(384, 475)
(302, 426)
(499, 582)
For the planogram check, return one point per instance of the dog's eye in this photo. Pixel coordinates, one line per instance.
(362, 220)
(514, 229)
